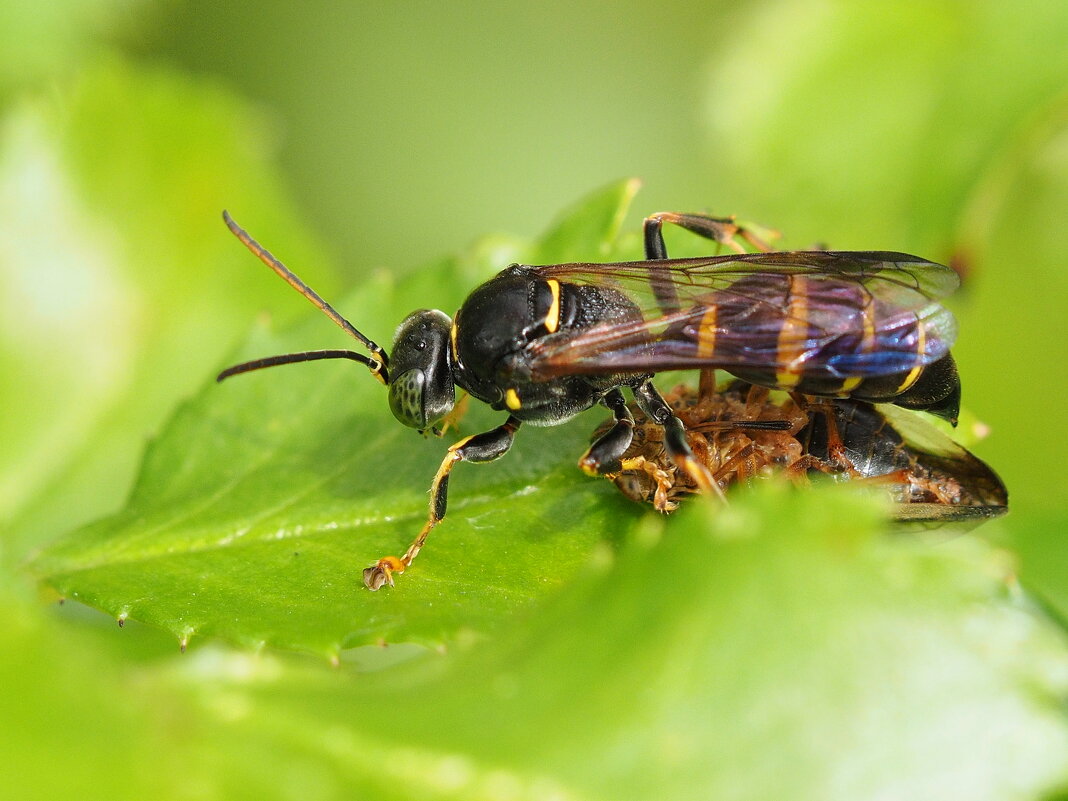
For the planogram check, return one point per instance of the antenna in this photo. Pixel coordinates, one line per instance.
(377, 365)
(290, 358)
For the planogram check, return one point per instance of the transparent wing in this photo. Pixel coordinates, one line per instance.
(836, 314)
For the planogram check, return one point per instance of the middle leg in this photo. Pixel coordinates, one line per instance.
(653, 404)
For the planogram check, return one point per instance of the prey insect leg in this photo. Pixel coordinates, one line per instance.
(653, 404)
(483, 447)
(706, 394)
(836, 448)
(605, 455)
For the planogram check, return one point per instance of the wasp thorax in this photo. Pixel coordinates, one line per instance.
(421, 390)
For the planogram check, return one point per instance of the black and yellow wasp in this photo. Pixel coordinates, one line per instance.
(543, 343)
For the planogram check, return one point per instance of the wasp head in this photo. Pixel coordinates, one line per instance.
(421, 388)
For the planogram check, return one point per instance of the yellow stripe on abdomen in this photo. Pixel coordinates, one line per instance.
(793, 336)
(706, 334)
(867, 342)
(921, 346)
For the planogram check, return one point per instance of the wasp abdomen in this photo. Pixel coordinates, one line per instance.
(825, 337)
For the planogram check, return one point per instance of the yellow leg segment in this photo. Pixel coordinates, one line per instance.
(478, 448)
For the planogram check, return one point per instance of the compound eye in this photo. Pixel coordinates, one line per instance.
(407, 398)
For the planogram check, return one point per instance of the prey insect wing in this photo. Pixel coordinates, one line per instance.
(943, 482)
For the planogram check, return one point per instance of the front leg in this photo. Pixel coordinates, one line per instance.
(653, 404)
(477, 448)
(606, 454)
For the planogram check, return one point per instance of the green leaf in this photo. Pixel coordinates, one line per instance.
(77, 721)
(258, 507)
(1038, 540)
(781, 649)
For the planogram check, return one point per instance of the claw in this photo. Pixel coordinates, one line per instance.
(381, 573)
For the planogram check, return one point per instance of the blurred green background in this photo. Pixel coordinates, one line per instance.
(355, 137)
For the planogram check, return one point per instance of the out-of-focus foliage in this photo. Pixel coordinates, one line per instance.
(861, 668)
(42, 42)
(781, 648)
(117, 287)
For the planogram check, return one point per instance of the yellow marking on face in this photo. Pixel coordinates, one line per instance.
(552, 319)
(706, 334)
(921, 346)
(867, 342)
(793, 336)
(511, 400)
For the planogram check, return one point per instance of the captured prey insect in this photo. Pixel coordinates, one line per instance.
(543, 343)
(929, 479)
